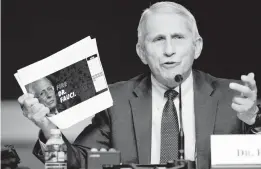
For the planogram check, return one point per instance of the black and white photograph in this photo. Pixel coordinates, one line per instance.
(75, 84)
(131, 83)
(64, 88)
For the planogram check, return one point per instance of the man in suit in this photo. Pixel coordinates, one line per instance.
(168, 42)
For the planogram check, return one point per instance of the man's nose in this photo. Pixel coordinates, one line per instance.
(169, 49)
(48, 94)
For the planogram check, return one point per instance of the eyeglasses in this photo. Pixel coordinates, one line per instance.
(44, 93)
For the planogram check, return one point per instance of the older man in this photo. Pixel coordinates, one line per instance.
(144, 122)
(43, 90)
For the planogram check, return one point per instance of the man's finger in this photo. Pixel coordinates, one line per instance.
(252, 75)
(29, 102)
(238, 108)
(241, 88)
(36, 108)
(249, 80)
(22, 98)
(242, 101)
(40, 114)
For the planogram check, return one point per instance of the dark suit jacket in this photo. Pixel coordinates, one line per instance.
(126, 126)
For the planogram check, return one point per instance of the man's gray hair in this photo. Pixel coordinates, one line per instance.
(168, 7)
(30, 87)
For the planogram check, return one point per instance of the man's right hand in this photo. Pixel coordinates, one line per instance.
(36, 112)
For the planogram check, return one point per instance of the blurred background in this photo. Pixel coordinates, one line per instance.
(34, 30)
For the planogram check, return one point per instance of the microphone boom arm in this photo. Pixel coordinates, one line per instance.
(178, 78)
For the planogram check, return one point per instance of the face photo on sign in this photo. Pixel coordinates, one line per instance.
(43, 90)
(65, 88)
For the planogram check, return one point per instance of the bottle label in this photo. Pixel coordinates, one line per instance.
(55, 153)
(55, 165)
(51, 156)
(61, 156)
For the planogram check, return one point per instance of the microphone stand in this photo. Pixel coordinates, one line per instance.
(181, 154)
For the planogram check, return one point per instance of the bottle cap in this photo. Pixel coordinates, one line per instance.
(103, 150)
(112, 150)
(94, 150)
(55, 131)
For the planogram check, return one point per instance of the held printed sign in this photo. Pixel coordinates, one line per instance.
(241, 151)
(73, 87)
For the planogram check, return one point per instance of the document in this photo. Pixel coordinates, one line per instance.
(72, 79)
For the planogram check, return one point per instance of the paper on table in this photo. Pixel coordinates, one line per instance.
(78, 78)
(235, 149)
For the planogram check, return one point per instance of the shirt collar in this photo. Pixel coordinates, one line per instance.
(160, 88)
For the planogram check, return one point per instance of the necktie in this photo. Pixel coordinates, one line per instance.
(169, 129)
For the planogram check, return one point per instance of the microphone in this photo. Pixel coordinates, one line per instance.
(178, 78)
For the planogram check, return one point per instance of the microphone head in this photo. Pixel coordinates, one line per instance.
(178, 78)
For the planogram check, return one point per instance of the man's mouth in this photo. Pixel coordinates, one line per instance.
(51, 102)
(170, 64)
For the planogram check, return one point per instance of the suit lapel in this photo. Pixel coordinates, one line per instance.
(141, 106)
(205, 104)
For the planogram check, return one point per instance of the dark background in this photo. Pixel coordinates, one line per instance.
(33, 30)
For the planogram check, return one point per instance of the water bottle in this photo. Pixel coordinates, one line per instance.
(56, 151)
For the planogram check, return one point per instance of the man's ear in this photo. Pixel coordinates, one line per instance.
(198, 47)
(141, 53)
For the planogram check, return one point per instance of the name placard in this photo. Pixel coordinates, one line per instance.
(230, 150)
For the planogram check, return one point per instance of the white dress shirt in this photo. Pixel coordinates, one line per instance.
(188, 117)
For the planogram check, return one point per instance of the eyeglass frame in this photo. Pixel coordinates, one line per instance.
(45, 92)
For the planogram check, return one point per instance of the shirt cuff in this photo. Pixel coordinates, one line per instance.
(256, 129)
(258, 117)
(42, 137)
(42, 140)
(43, 146)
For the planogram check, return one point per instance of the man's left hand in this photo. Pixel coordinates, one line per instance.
(245, 104)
